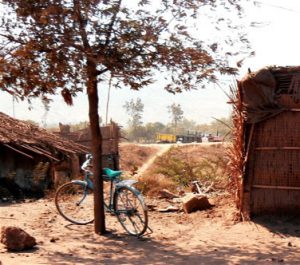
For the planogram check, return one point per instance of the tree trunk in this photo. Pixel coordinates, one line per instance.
(96, 148)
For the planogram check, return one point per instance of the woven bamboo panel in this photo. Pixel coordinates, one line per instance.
(274, 165)
(275, 168)
(269, 201)
(280, 131)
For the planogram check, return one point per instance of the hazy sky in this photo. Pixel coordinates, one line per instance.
(275, 42)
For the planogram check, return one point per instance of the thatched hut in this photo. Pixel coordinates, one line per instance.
(265, 156)
(32, 158)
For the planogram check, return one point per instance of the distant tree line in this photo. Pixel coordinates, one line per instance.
(147, 132)
(136, 131)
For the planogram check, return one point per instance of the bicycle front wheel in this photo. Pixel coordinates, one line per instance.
(74, 202)
(131, 210)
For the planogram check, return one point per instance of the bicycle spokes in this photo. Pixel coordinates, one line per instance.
(131, 211)
(75, 203)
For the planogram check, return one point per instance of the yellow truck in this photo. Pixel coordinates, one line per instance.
(165, 138)
(179, 138)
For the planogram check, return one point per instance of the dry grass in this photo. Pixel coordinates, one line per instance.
(235, 152)
(134, 156)
(152, 184)
(180, 165)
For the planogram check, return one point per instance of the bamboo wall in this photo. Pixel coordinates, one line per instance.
(272, 177)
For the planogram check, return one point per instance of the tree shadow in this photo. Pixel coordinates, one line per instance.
(115, 248)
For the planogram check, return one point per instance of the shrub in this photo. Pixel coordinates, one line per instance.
(152, 184)
(181, 165)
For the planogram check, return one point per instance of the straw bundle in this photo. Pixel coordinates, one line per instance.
(235, 151)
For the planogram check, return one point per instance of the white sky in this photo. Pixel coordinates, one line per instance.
(276, 43)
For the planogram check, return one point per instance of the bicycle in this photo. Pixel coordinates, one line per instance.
(74, 200)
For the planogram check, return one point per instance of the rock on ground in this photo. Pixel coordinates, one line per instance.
(15, 238)
(192, 203)
(166, 194)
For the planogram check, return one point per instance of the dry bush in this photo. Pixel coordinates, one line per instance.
(181, 165)
(152, 184)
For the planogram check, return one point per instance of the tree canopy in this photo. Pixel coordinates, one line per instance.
(68, 46)
(45, 45)
(135, 111)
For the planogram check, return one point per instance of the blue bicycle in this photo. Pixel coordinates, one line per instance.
(74, 200)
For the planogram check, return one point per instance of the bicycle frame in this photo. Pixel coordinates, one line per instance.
(115, 185)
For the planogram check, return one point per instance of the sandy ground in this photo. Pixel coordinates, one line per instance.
(206, 237)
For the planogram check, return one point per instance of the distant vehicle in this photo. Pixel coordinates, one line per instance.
(182, 138)
(215, 138)
(179, 141)
(165, 138)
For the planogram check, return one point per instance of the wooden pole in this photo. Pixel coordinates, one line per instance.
(108, 99)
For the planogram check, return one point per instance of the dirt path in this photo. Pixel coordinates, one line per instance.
(209, 237)
(162, 148)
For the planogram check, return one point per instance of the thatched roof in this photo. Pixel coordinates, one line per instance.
(262, 91)
(25, 138)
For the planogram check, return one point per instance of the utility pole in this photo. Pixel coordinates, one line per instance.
(13, 106)
(108, 99)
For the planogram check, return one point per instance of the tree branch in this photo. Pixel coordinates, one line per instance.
(100, 72)
(112, 22)
(12, 39)
(82, 30)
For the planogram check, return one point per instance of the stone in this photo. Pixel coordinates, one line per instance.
(54, 239)
(151, 207)
(181, 193)
(170, 208)
(193, 202)
(166, 194)
(16, 239)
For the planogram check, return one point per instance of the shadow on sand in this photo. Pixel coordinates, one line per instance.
(280, 225)
(114, 248)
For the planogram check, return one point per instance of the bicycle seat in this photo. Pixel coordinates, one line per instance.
(111, 174)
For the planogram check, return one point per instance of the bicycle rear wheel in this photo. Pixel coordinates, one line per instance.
(74, 202)
(131, 210)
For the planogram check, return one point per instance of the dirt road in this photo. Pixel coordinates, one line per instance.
(161, 150)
